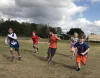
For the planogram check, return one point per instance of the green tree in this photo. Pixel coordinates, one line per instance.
(73, 30)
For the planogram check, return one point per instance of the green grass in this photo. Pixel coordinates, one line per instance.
(37, 67)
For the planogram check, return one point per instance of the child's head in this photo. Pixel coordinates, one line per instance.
(76, 35)
(33, 33)
(51, 32)
(82, 38)
(10, 30)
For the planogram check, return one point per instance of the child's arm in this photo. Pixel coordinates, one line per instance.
(6, 40)
(85, 52)
(73, 49)
(31, 39)
(71, 40)
(40, 38)
(58, 38)
(47, 42)
(13, 37)
(87, 49)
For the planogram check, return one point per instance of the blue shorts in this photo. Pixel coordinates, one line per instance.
(14, 45)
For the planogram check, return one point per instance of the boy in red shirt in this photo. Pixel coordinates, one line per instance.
(53, 45)
(35, 40)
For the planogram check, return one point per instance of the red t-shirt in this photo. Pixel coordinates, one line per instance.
(35, 39)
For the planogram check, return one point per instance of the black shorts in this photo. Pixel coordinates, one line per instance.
(52, 50)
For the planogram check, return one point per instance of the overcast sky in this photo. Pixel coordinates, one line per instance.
(84, 14)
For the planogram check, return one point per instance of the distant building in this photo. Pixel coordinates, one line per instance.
(93, 37)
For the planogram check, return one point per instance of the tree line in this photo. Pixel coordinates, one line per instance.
(25, 29)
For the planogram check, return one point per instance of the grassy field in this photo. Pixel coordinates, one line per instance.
(37, 67)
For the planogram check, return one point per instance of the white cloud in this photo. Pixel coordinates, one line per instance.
(95, 1)
(54, 12)
(97, 23)
(7, 3)
(87, 26)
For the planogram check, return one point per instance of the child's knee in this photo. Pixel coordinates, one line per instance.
(11, 49)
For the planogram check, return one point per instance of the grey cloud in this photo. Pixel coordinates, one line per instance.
(42, 11)
(42, 3)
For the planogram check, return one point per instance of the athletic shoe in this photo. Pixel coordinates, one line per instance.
(20, 59)
(72, 57)
(78, 70)
(49, 60)
(35, 52)
(12, 59)
(84, 64)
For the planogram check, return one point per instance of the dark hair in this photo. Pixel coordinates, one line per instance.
(33, 31)
(10, 29)
(53, 31)
(82, 36)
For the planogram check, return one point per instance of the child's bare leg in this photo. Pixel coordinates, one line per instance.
(11, 50)
(48, 54)
(35, 48)
(19, 56)
(78, 66)
(73, 54)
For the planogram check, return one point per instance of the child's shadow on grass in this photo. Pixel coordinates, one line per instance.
(40, 58)
(26, 50)
(56, 63)
(65, 65)
(68, 56)
(7, 57)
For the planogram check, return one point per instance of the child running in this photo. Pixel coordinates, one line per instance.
(53, 45)
(14, 45)
(74, 40)
(35, 40)
(82, 53)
